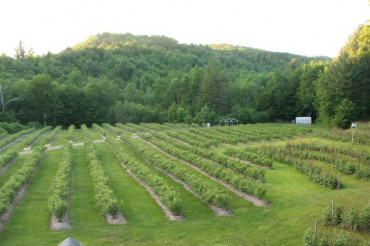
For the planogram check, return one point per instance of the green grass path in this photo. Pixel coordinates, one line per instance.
(12, 169)
(60, 138)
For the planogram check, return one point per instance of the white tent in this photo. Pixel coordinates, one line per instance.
(303, 120)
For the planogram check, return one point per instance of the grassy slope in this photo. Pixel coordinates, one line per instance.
(296, 204)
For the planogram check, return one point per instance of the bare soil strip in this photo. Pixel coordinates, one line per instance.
(166, 211)
(54, 147)
(3, 170)
(56, 225)
(118, 219)
(254, 200)
(78, 144)
(100, 140)
(29, 151)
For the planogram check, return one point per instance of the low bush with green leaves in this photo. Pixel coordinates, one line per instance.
(59, 190)
(104, 196)
(10, 138)
(236, 180)
(10, 188)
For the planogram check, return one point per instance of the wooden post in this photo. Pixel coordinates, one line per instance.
(338, 181)
(353, 131)
(315, 230)
(332, 209)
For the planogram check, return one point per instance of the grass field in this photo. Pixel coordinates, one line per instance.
(296, 203)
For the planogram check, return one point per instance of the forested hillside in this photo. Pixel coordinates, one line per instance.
(126, 78)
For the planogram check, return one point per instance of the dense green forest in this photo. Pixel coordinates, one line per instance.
(126, 78)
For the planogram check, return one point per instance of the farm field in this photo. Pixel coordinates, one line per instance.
(261, 184)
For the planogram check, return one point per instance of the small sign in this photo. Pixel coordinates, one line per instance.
(354, 125)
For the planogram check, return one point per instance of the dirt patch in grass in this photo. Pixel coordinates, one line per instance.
(117, 219)
(57, 225)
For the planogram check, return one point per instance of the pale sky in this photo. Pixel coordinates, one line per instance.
(304, 27)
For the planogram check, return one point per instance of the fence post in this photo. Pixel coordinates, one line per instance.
(338, 181)
(332, 210)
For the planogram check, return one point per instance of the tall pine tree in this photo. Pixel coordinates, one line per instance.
(347, 78)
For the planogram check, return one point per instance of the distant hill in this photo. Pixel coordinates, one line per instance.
(232, 56)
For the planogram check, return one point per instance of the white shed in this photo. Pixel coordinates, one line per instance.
(303, 120)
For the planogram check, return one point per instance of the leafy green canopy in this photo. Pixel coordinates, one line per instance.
(126, 78)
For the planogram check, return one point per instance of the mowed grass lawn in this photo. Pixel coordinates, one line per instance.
(296, 204)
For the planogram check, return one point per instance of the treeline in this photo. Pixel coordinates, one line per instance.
(125, 78)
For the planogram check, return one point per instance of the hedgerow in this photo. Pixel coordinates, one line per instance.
(104, 197)
(10, 188)
(59, 190)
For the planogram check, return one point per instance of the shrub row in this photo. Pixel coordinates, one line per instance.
(155, 126)
(48, 138)
(314, 173)
(10, 138)
(70, 132)
(113, 129)
(249, 155)
(191, 138)
(168, 196)
(238, 181)
(339, 162)
(9, 190)
(325, 239)
(130, 127)
(235, 165)
(6, 158)
(353, 219)
(339, 148)
(214, 135)
(104, 196)
(59, 189)
(3, 133)
(245, 133)
(208, 193)
(344, 135)
(30, 139)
